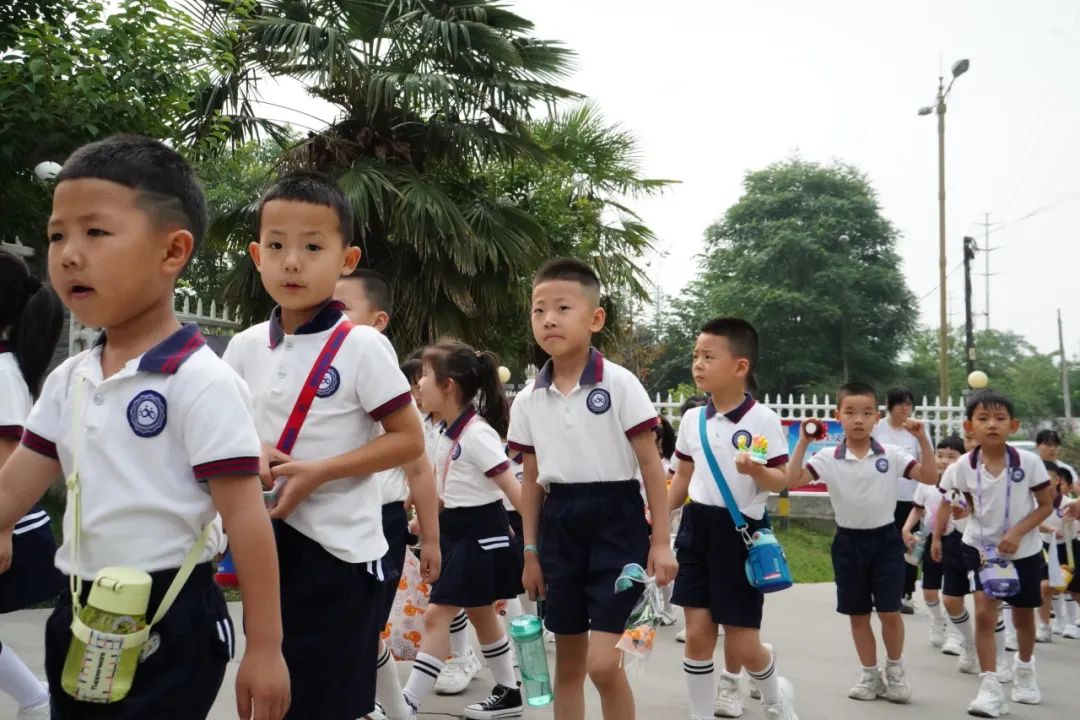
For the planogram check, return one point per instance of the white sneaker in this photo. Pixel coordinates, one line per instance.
(1057, 626)
(785, 709)
(40, 711)
(1025, 690)
(1042, 633)
(897, 689)
(680, 637)
(755, 691)
(728, 697)
(937, 634)
(871, 686)
(457, 674)
(1011, 644)
(953, 645)
(968, 662)
(990, 702)
(1004, 671)
(1072, 632)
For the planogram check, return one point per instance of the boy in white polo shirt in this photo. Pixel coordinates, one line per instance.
(328, 515)
(584, 426)
(867, 552)
(163, 435)
(713, 587)
(1009, 494)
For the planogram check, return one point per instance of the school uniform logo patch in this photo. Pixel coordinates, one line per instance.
(742, 438)
(457, 452)
(599, 401)
(329, 384)
(882, 465)
(147, 414)
(1017, 474)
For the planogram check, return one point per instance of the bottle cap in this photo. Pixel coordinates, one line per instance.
(526, 627)
(121, 591)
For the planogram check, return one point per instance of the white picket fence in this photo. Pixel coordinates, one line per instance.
(942, 419)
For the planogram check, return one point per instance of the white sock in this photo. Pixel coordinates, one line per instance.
(936, 611)
(388, 687)
(459, 634)
(999, 638)
(1070, 610)
(962, 623)
(1006, 615)
(501, 662)
(1058, 604)
(513, 609)
(425, 671)
(700, 686)
(768, 681)
(17, 681)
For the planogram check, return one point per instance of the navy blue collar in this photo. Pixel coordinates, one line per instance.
(325, 317)
(734, 415)
(876, 448)
(453, 431)
(167, 356)
(1011, 453)
(591, 375)
(5, 347)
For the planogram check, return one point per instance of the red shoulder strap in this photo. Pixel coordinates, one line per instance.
(307, 393)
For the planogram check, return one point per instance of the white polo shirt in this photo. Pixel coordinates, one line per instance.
(517, 469)
(746, 422)
(930, 499)
(862, 491)
(393, 486)
(153, 433)
(945, 484)
(362, 386)
(15, 405)
(432, 431)
(1023, 475)
(886, 434)
(584, 436)
(468, 455)
(1056, 520)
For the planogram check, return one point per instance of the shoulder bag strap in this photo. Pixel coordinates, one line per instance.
(307, 393)
(718, 476)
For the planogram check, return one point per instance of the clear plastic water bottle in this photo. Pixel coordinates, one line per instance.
(527, 632)
(915, 554)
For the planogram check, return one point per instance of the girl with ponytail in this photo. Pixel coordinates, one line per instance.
(30, 320)
(480, 565)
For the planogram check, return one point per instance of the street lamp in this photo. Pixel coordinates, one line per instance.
(959, 68)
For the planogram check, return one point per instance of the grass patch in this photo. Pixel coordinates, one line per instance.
(807, 551)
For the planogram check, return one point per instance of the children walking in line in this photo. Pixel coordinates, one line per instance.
(1056, 536)
(867, 552)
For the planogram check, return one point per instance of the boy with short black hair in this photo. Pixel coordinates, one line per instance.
(867, 552)
(1048, 447)
(713, 588)
(327, 516)
(1009, 494)
(164, 438)
(584, 426)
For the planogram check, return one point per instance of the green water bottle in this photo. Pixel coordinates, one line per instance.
(527, 632)
(117, 604)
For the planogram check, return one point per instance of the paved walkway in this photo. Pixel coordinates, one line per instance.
(815, 652)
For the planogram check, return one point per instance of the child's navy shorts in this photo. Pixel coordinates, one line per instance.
(1029, 570)
(184, 658)
(588, 532)
(479, 563)
(330, 611)
(870, 569)
(517, 540)
(32, 577)
(395, 523)
(712, 566)
(956, 578)
(933, 572)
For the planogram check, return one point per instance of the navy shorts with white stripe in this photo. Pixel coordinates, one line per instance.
(479, 565)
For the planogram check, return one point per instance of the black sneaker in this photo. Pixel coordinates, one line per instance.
(907, 606)
(503, 702)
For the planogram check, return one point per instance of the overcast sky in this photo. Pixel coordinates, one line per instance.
(714, 89)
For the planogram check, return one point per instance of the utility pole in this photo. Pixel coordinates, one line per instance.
(1064, 372)
(986, 260)
(969, 254)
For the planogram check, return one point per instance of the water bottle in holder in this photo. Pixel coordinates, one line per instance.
(915, 553)
(527, 633)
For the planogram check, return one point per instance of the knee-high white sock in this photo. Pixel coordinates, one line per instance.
(935, 611)
(1006, 615)
(999, 638)
(963, 625)
(17, 681)
(700, 686)
(1057, 602)
(768, 681)
(513, 609)
(1071, 610)
(425, 671)
(459, 634)
(388, 687)
(501, 662)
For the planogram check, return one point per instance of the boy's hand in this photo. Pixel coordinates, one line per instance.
(270, 454)
(532, 578)
(662, 563)
(414, 527)
(1009, 543)
(935, 550)
(915, 427)
(303, 478)
(262, 686)
(959, 512)
(6, 552)
(430, 562)
(909, 539)
(744, 465)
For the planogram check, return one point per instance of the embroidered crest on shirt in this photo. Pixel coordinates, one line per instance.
(147, 414)
(599, 401)
(882, 465)
(457, 451)
(329, 384)
(742, 439)
(1017, 474)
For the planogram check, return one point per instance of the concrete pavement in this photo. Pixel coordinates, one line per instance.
(814, 648)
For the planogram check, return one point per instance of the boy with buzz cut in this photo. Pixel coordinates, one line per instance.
(1009, 494)
(369, 300)
(163, 434)
(328, 511)
(713, 588)
(867, 552)
(585, 426)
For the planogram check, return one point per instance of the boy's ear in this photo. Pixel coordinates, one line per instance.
(352, 259)
(253, 250)
(179, 246)
(1014, 426)
(598, 319)
(835, 413)
(381, 321)
(968, 428)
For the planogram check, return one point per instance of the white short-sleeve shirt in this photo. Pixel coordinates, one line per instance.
(584, 436)
(432, 430)
(15, 404)
(862, 491)
(468, 457)
(948, 493)
(517, 469)
(1023, 475)
(886, 434)
(930, 499)
(747, 422)
(153, 433)
(362, 386)
(393, 486)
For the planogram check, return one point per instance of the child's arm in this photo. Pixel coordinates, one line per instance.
(773, 479)
(511, 488)
(263, 679)
(798, 473)
(532, 498)
(24, 477)
(420, 478)
(941, 521)
(925, 471)
(662, 564)
(402, 441)
(7, 532)
(680, 486)
(1044, 499)
(913, 517)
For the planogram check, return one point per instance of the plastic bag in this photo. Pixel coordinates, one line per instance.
(1055, 569)
(639, 636)
(405, 627)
